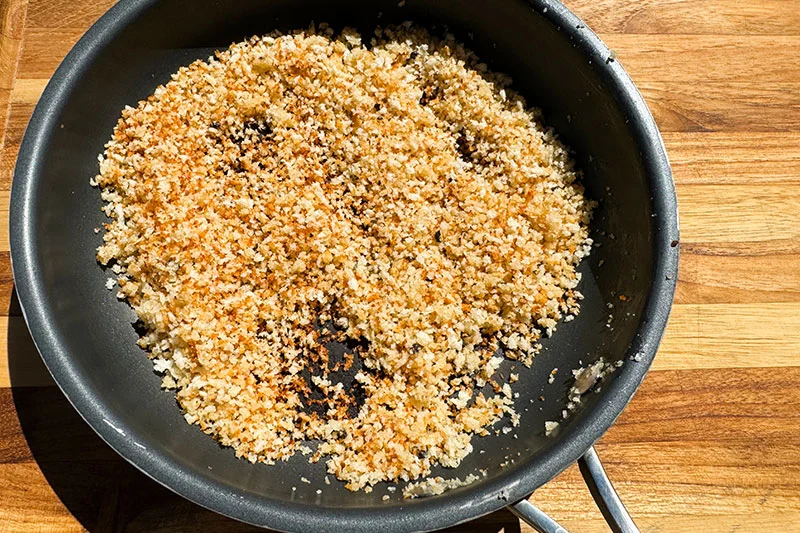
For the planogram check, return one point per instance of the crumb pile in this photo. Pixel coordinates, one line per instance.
(394, 196)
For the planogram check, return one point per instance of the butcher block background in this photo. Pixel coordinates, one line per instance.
(712, 440)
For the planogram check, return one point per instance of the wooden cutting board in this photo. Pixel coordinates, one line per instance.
(712, 440)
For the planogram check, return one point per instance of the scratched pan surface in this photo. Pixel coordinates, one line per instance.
(86, 336)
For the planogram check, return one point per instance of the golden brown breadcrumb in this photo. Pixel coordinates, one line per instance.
(298, 189)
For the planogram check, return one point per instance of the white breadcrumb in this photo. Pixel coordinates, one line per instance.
(587, 377)
(110, 282)
(398, 191)
(436, 485)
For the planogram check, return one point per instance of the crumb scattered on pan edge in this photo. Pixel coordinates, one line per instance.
(585, 378)
(437, 485)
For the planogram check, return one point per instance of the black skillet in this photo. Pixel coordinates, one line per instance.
(85, 335)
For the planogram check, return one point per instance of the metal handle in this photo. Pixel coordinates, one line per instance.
(535, 517)
(604, 494)
(606, 498)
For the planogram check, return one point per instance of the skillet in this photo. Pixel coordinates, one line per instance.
(87, 341)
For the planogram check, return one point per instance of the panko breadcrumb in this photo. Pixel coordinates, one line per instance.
(436, 485)
(298, 189)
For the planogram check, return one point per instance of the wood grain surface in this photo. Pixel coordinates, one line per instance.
(712, 440)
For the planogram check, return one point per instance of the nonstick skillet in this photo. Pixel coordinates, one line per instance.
(86, 338)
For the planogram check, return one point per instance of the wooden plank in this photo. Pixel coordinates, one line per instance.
(738, 213)
(30, 504)
(23, 100)
(747, 335)
(8, 302)
(754, 406)
(766, 17)
(20, 364)
(5, 196)
(731, 336)
(743, 248)
(697, 157)
(44, 49)
(707, 336)
(655, 58)
(710, 213)
(770, 17)
(700, 59)
(723, 106)
(739, 158)
(764, 109)
(12, 23)
(731, 523)
(13, 446)
(685, 487)
(716, 271)
(40, 424)
(28, 91)
(78, 14)
(677, 106)
(737, 279)
(18, 117)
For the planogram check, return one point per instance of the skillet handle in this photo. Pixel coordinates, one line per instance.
(535, 517)
(602, 491)
(604, 494)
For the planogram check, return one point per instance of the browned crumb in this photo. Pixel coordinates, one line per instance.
(399, 192)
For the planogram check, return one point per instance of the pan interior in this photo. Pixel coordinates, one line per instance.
(95, 329)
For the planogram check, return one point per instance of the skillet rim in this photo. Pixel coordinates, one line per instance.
(428, 514)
